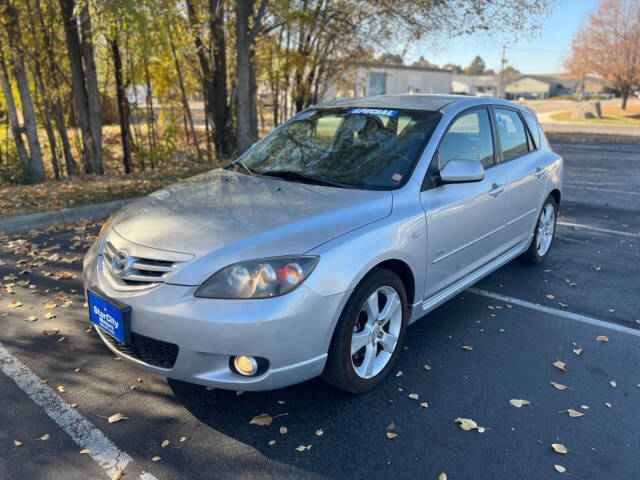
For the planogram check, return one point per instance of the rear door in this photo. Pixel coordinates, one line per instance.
(524, 166)
(464, 220)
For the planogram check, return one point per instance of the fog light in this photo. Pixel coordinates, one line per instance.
(245, 365)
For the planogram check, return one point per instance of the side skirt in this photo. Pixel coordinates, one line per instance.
(420, 309)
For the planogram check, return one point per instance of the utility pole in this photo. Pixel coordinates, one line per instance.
(503, 62)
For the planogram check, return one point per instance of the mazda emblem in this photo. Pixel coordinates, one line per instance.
(119, 263)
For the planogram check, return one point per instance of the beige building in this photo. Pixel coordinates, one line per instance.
(387, 79)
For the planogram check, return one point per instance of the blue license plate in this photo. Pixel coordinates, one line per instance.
(109, 315)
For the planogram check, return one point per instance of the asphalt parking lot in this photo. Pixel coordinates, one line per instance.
(518, 321)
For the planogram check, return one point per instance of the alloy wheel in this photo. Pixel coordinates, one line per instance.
(376, 332)
(546, 228)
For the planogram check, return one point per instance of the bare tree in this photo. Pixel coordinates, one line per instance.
(608, 45)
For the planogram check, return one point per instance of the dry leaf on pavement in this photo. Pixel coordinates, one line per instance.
(319, 432)
(14, 304)
(613, 383)
(45, 437)
(466, 423)
(560, 365)
(558, 447)
(116, 417)
(50, 305)
(560, 468)
(118, 474)
(559, 386)
(165, 443)
(85, 451)
(468, 348)
(61, 389)
(156, 458)
(391, 435)
(414, 396)
(602, 338)
(517, 402)
(577, 351)
(574, 413)
(17, 443)
(442, 476)
(264, 419)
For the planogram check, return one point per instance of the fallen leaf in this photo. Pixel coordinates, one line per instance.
(14, 304)
(613, 383)
(156, 458)
(560, 365)
(62, 339)
(559, 386)
(50, 305)
(74, 405)
(558, 447)
(64, 275)
(399, 373)
(414, 396)
(49, 315)
(584, 407)
(17, 443)
(577, 351)
(607, 404)
(424, 405)
(302, 448)
(50, 332)
(442, 476)
(602, 338)
(61, 389)
(468, 348)
(516, 402)
(62, 295)
(427, 367)
(574, 413)
(272, 442)
(550, 297)
(32, 318)
(263, 420)
(283, 430)
(45, 437)
(391, 435)
(85, 451)
(319, 432)
(77, 370)
(118, 474)
(182, 439)
(466, 423)
(165, 443)
(481, 429)
(560, 468)
(116, 417)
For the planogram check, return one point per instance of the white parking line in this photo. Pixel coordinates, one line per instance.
(601, 230)
(555, 311)
(107, 455)
(605, 190)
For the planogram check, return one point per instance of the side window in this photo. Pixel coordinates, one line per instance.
(532, 123)
(468, 138)
(512, 134)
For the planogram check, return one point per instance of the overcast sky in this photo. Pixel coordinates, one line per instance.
(544, 54)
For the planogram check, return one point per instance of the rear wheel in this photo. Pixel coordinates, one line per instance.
(543, 233)
(369, 334)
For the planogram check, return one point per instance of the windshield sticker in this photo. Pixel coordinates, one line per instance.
(373, 111)
(396, 178)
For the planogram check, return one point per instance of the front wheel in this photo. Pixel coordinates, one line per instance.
(543, 233)
(369, 334)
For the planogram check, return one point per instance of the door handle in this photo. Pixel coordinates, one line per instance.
(539, 172)
(496, 189)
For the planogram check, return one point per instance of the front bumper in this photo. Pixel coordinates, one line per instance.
(292, 332)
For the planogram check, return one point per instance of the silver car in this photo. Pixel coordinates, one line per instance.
(311, 253)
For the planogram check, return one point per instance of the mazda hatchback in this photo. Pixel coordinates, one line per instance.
(311, 253)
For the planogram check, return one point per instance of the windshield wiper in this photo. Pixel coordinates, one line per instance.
(243, 165)
(293, 175)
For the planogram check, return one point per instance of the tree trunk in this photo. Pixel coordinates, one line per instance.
(183, 94)
(64, 138)
(243, 75)
(45, 113)
(12, 24)
(223, 121)
(625, 96)
(12, 113)
(122, 107)
(91, 76)
(90, 146)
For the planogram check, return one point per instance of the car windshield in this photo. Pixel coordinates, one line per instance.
(368, 148)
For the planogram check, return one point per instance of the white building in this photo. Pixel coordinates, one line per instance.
(477, 85)
(387, 79)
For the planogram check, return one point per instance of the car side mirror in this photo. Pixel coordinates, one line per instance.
(462, 171)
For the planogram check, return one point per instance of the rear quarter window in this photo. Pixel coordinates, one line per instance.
(532, 123)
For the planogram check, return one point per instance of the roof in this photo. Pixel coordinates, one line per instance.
(398, 66)
(409, 102)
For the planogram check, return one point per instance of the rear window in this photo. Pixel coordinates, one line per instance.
(532, 123)
(513, 137)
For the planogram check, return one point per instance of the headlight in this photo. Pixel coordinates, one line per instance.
(265, 278)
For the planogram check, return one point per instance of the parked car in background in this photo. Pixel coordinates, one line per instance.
(311, 253)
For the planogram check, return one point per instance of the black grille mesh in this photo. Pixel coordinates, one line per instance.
(148, 350)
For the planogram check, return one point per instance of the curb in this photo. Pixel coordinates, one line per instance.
(34, 221)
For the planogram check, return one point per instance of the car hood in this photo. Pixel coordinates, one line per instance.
(223, 217)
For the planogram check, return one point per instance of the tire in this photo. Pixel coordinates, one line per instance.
(370, 363)
(543, 234)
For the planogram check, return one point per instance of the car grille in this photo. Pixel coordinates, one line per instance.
(146, 349)
(146, 267)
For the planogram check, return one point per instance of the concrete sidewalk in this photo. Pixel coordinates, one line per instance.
(35, 221)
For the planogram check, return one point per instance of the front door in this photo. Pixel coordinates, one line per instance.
(464, 220)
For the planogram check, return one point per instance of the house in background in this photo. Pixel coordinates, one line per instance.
(553, 85)
(369, 79)
(477, 85)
